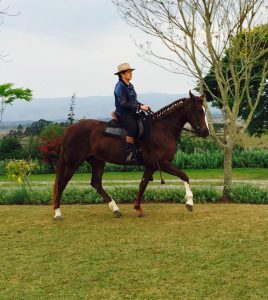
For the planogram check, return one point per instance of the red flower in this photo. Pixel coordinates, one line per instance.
(50, 150)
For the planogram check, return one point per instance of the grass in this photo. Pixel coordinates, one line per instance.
(216, 252)
(239, 173)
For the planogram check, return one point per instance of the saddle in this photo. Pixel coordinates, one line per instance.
(114, 127)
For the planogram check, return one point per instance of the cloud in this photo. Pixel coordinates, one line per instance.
(61, 47)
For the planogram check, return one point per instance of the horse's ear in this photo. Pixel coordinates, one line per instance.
(192, 96)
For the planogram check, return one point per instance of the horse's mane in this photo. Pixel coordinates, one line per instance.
(165, 111)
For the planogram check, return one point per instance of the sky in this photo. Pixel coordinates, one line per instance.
(61, 47)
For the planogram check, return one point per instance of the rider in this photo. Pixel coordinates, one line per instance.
(127, 106)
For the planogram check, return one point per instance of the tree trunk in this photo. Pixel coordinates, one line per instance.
(228, 151)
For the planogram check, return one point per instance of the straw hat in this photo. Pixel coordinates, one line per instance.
(123, 67)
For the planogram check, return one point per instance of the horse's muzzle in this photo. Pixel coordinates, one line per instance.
(203, 132)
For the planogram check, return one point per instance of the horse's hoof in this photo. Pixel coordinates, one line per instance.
(139, 213)
(189, 207)
(56, 218)
(117, 213)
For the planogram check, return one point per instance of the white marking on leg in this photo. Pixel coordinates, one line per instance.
(113, 205)
(189, 194)
(57, 213)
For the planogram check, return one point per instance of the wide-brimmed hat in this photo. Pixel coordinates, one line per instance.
(123, 67)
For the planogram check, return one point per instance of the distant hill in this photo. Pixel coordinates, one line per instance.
(92, 107)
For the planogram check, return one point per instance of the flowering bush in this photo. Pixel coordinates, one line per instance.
(50, 150)
(50, 141)
(20, 170)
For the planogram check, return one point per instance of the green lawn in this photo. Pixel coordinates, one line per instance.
(239, 173)
(216, 252)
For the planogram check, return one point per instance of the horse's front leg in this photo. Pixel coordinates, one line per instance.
(147, 175)
(171, 169)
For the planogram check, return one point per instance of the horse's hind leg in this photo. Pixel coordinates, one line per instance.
(97, 167)
(147, 176)
(169, 168)
(64, 173)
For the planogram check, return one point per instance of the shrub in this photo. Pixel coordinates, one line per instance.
(51, 141)
(205, 194)
(20, 170)
(247, 193)
(10, 147)
(254, 158)
(31, 150)
(244, 193)
(51, 132)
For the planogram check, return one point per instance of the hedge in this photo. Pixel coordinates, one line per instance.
(240, 193)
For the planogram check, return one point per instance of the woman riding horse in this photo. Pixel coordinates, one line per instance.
(127, 106)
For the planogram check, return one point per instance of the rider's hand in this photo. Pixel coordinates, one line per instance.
(145, 107)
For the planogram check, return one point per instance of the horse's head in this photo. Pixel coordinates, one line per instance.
(196, 115)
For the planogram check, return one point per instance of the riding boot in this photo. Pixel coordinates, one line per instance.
(131, 152)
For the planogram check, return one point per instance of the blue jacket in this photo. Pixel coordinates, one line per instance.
(125, 98)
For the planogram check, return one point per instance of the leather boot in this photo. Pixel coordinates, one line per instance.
(131, 152)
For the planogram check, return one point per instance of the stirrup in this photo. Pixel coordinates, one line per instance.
(131, 152)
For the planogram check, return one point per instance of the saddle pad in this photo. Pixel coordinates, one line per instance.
(113, 130)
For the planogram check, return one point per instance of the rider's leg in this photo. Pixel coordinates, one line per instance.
(130, 149)
(130, 124)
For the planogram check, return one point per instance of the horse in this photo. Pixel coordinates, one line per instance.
(85, 141)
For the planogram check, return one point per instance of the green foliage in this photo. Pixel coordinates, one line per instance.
(30, 150)
(206, 194)
(8, 95)
(190, 144)
(197, 153)
(256, 158)
(10, 147)
(36, 127)
(20, 170)
(243, 193)
(246, 193)
(192, 153)
(51, 131)
(258, 38)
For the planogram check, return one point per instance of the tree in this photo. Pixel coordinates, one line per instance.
(259, 123)
(195, 34)
(71, 113)
(8, 95)
(20, 130)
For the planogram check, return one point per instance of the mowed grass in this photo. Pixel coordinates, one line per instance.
(217, 252)
(206, 174)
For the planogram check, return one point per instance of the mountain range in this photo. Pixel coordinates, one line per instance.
(92, 107)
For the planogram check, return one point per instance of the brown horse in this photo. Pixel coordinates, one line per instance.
(85, 141)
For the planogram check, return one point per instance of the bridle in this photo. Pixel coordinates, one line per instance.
(195, 131)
